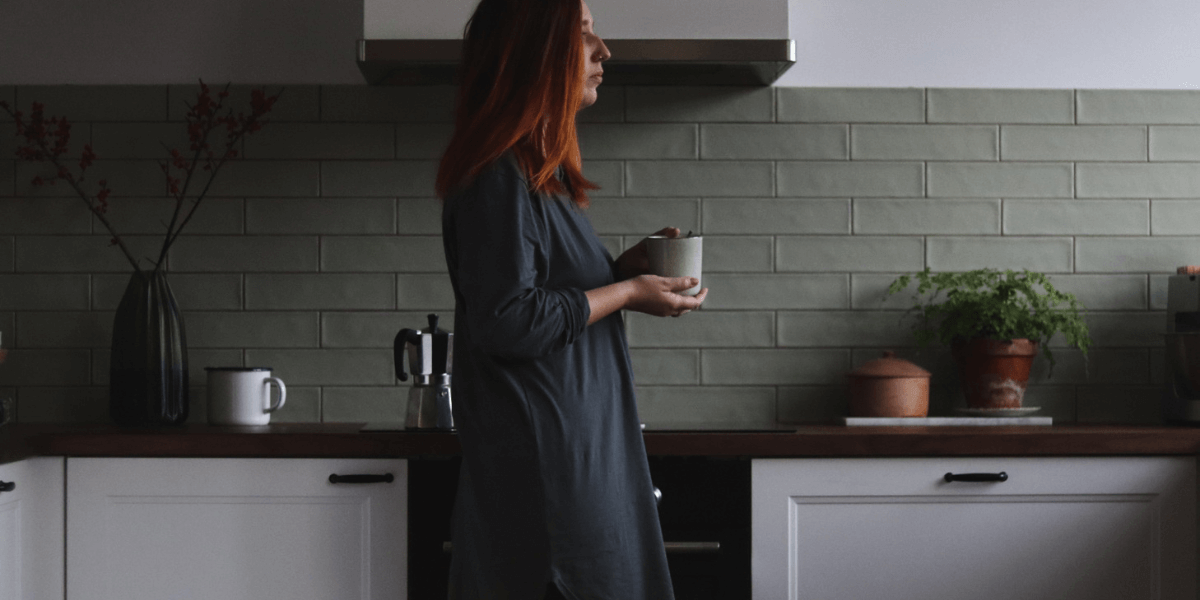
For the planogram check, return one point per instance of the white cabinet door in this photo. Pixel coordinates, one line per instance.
(234, 529)
(31, 530)
(1119, 528)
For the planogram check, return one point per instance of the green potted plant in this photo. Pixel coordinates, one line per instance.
(995, 322)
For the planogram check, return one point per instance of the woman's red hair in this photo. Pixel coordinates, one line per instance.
(521, 83)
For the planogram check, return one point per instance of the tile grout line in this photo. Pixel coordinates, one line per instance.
(849, 141)
(1075, 106)
(1148, 143)
(999, 143)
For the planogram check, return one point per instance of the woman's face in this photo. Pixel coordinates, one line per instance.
(594, 53)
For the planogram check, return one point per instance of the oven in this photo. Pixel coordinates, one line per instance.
(704, 510)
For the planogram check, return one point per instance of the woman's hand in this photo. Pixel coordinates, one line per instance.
(650, 294)
(659, 296)
(635, 261)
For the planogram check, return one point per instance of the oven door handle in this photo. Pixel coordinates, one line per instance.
(671, 547)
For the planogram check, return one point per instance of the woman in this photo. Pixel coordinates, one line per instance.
(554, 496)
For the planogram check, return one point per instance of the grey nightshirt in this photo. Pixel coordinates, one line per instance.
(554, 485)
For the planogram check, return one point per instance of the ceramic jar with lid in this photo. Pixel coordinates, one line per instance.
(889, 387)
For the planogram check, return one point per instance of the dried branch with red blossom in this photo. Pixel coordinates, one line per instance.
(47, 140)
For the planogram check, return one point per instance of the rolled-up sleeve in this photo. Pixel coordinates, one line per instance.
(500, 241)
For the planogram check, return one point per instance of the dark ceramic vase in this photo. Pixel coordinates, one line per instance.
(148, 375)
(994, 373)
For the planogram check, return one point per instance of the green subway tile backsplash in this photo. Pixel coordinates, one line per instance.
(125, 178)
(1175, 217)
(1137, 180)
(924, 142)
(382, 104)
(696, 178)
(46, 215)
(1180, 142)
(147, 215)
(945, 216)
(362, 141)
(8, 178)
(78, 253)
(999, 179)
(318, 215)
(324, 240)
(848, 178)
(303, 102)
(82, 103)
(776, 215)
(1077, 217)
(961, 253)
(1138, 106)
(1069, 142)
(258, 329)
(851, 105)
(131, 140)
(705, 329)
(7, 251)
(421, 141)
(43, 292)
(88, 329)
(658, 104)
(738, 254)
(773, 141)
(407, 178)
(641, 216)
(959, 105)
(643, 140)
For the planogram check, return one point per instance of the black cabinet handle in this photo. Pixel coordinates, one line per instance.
(692, 547)
(385, 478)
(670, 547)
(1001, 476)
(7, 486)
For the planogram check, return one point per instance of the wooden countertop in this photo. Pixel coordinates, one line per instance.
(345, 440)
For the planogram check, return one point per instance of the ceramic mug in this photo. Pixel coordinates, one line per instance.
(242, 395)
(676, 257)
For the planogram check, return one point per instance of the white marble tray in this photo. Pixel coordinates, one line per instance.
(951, 421)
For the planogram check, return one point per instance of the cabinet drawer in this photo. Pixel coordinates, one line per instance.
(1119, 528)
(235, 529)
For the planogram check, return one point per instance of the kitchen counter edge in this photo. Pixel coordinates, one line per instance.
(343, 440)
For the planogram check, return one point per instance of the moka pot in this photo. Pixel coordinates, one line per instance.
(430, 354)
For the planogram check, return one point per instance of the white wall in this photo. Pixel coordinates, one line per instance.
(996, 43)
(728, 19)
(176, 41)
(886, 43)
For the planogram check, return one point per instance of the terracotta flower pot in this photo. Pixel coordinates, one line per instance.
(994, 372)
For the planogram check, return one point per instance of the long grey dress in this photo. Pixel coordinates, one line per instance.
(554, 485)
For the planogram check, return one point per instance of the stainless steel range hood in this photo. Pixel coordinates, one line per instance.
(634, 62)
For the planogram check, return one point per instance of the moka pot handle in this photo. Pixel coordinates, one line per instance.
(404, 337)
